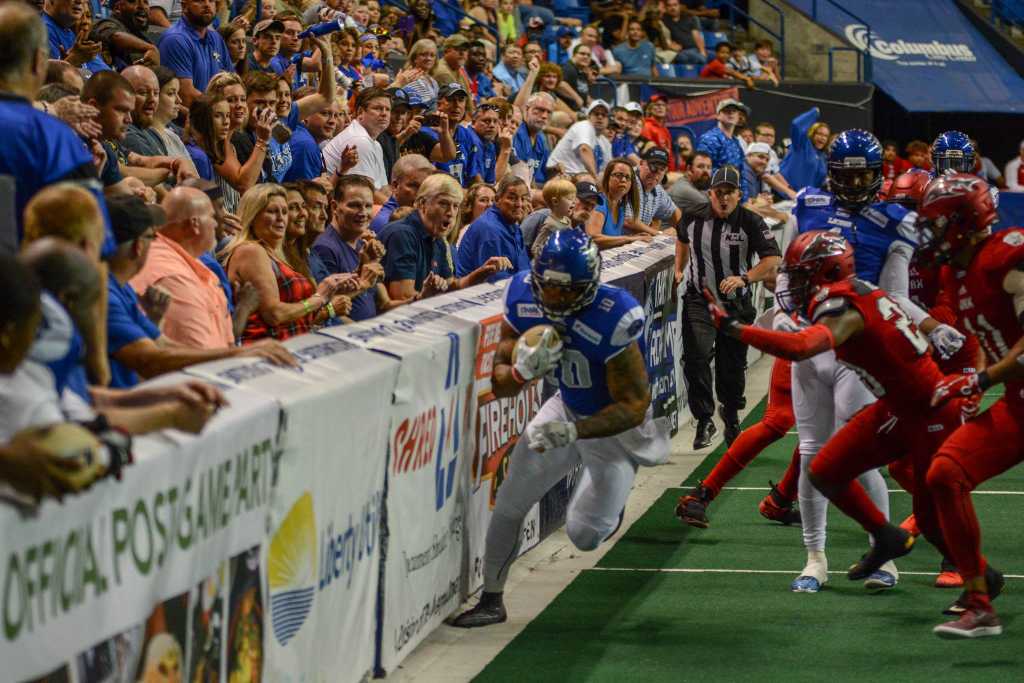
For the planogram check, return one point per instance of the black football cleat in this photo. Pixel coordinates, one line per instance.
(692, 508)
(490, 610)
(890, 542)
(995, 582)
(706, 431)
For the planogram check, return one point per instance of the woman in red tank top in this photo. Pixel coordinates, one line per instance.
(290, 303)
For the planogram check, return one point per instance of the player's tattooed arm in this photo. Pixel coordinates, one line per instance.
(629, 388)
(503, 383)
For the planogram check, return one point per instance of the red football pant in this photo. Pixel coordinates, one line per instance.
(981, 449)
(778, 419)
(902, 471)
(872, 439)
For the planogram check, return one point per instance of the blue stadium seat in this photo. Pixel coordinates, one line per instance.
(666, 70)
(687, 70)
(712, 38)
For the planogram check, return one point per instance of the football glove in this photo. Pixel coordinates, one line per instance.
(722, 319)
(535, 361)
(960, 386)
(551, 435)
(946, 340)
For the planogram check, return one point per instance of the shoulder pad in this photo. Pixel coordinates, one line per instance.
(863, 287)
(629, 328)
(873, 214)
(834, 305)
(1013, 238)
(894, 211)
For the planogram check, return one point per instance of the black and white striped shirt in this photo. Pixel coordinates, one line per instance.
(722, 247)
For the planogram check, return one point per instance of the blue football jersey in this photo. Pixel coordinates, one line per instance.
(871, 232)
(591, 338)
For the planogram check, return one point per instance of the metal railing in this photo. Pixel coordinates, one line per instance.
(457, 8)
(858, 55)
(867, 28)
(733, 9)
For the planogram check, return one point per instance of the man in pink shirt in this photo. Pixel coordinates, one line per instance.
(197, 315)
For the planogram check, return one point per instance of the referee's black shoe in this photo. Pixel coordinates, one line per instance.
(490, 610)
(706, 431)
(731, 421)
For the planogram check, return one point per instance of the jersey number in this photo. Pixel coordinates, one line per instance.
(575, 370)
(891, 311)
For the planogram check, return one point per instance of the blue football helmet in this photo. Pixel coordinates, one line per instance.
(953, 152)
(566, 273)
(855, 168)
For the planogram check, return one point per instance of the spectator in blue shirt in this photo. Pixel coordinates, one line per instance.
(627, 121)
(490, 144)
(558, 51)
(510, 71)
(37, 148)
(804, 165)
(721, 144)
(407, 175)
(192, 50)
(62, 19)
(637, 54)
(266, 48)
(476, 69)
(496, 233)
(530, 144)
(344, 248)
(134, 342)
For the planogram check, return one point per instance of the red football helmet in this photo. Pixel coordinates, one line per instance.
(955, 210)
(815, 259)
(908, 188)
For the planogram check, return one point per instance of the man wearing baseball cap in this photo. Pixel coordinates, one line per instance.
(627, 123)
(657, 210)
(451, 68)
(135, 344)
(656, 126)
(760, 180)
(720, 143)
(584, 148)
(266, 46)
(723, 246)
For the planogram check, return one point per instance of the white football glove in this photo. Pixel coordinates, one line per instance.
(551, 435)
(536, 361)
(946, 340)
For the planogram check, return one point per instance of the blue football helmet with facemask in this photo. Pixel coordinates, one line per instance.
(855, 168)
(953, 152)
(566, 273)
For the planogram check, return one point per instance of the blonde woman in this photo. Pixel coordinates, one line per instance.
(290, 304)
(478, 199)
(415, 78)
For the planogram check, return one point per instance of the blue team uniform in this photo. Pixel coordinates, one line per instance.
(591, 338)
(871, 232)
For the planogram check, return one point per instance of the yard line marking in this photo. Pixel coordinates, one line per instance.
(688, 570)
(766, 488)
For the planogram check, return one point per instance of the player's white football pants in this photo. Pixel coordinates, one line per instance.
(826, 394)
(609, 466)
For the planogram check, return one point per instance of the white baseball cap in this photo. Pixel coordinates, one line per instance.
(759, 148)
(634, 108)
(598, 103)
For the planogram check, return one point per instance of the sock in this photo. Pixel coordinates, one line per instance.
(744, 449)
(503, 541)
(952, 490)
(787, 486)
(890, 567)
(817, 565)
(813, 508)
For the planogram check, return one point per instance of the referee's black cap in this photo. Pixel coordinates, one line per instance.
(726, 175)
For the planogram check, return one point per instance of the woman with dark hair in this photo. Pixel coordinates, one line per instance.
(234, 36)
(209, 125)
(345, 44)
(295, 234)
(168, 106)
(619, 186)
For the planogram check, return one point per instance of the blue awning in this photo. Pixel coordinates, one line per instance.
(926, 55)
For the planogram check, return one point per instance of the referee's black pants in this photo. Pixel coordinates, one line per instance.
(701, 343)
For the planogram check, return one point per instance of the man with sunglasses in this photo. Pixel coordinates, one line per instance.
(723, 247)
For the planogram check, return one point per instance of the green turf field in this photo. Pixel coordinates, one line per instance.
(673, 603)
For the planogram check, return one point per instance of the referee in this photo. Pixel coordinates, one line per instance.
(723, 247)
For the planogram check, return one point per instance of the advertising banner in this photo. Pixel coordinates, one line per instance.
(323, 551)
(81, 577)
(430, 440)
(686, 110)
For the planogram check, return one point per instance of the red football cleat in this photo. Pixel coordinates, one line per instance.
(910, 524)
(776, 508)
(978, 621)
(948, 576)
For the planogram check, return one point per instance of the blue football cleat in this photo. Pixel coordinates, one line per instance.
(805, 584)
(880, 581)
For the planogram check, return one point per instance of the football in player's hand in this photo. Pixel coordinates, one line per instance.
(536, 351)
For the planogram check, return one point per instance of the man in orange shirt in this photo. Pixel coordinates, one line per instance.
(655, 129)
(197, 315)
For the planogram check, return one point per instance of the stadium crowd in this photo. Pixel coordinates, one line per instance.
(199, 180)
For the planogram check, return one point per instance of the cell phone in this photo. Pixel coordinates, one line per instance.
(431, 120)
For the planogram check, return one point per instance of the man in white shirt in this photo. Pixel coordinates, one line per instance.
(1014, 174)
(584, 147)
(373, 115)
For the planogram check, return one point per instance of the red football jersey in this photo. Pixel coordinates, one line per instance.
(891, 356)
(926, 291)
(982, 306)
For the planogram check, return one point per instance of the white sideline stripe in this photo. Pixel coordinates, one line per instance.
(686, 570)
(765, 488)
